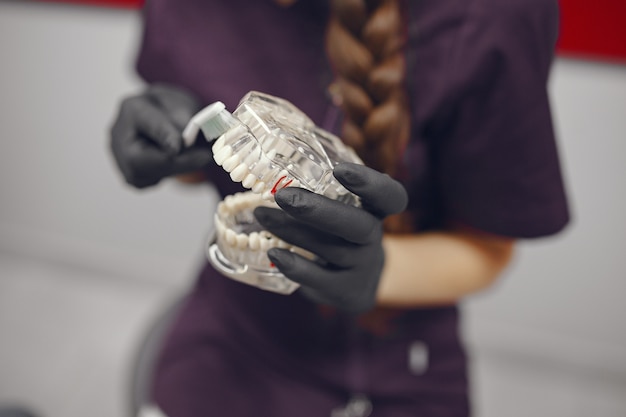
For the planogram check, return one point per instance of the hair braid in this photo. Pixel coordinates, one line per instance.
(365, 45)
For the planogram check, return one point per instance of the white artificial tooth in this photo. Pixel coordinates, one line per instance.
(229, 203)
(267, 195)
(282, 244)
(219, 226)
(218, 144)
(242, 241)
(294, 183)
(261, 165)
(239, 173)
(239, 204)
(231, 237)
(222, 154)
(254, 241)
(278, 179)
(232, 135)
(247, 206)
(250, 198)
(274, 242)
(222, 210)
(253, 156)
(269, 176)
(271, 154)
(258, 187)
(247, 147)
(249, 181)
(231, 163)
(256, 128)
(264, 244)
(265, 142)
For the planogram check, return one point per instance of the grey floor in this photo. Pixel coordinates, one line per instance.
(68, 339)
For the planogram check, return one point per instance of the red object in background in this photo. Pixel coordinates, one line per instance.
(131, 4)
(593, 29)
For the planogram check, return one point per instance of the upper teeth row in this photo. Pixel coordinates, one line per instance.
(241, 155)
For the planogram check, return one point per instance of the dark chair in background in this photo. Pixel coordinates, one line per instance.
(146, 356)
(16, 412)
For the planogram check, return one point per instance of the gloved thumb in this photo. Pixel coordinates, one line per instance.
(180, 105)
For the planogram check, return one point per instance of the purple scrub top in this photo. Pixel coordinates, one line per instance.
(482, 154)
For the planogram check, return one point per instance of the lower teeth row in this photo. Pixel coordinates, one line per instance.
(238, 246)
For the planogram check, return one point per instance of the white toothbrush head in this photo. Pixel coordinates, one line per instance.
(213, 120)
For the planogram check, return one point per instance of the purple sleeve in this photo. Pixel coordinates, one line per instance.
(498, 164)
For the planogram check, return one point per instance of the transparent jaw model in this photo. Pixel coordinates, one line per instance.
(266, 144)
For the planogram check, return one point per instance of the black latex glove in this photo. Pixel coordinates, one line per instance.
(346, 239)
(146, 138)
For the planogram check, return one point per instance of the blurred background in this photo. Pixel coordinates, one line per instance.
(85, 267)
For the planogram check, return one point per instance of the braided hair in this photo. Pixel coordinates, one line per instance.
(365, 42)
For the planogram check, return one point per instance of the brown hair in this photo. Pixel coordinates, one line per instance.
(365, 42)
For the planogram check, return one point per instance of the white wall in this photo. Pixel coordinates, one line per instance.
(572, 286)
(64, 70)
(559, 311)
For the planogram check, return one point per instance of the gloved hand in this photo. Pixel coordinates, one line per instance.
(146, 138)
(346, 239)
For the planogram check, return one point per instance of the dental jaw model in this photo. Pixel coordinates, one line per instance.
(240, 247)
(266, 144)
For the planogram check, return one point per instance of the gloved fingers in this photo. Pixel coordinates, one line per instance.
(347, 222)
(324, 285)
(144, 164)
(128, 152)
(145, 157)
(355, 306)
(380, 194)
(121, 135)
(301, 270)
(330, 248)
(141, 119)
(123, 131)
(190, 160)
(180, 105)
(315, 296)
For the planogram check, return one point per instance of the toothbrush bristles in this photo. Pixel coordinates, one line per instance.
(217, 125)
